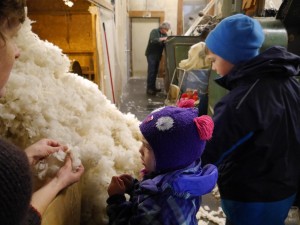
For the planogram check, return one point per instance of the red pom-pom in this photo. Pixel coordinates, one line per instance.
(205, 127)
(184, 95)
(186, 103)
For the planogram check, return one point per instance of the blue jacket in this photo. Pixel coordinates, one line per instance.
(171, 198)
(256, 139)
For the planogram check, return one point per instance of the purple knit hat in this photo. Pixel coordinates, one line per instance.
(176, 135)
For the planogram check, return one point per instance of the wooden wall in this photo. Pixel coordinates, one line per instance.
(70, 28)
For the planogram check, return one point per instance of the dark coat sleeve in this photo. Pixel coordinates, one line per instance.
(33, 217)
(233, 127)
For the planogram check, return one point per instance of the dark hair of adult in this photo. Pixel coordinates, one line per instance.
(13, 11)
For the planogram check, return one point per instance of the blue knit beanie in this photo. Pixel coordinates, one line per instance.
(176, 135)
(236, 38)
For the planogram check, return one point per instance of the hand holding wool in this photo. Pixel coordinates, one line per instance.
(42, 149)
(50, 165)
(67, 175)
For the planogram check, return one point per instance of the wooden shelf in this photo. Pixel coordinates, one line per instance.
(78, 52)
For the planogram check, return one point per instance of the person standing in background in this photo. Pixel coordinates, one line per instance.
(153, 53)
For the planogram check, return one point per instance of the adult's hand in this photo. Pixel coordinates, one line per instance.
(42, 149)
(64, 178)
(67, 175)
(162, 39)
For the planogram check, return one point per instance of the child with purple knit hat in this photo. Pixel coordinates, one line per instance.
(174, 181)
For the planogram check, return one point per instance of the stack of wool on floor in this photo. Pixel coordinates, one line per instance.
(44, 100)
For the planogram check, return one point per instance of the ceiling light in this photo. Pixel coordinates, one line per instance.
(68, 3)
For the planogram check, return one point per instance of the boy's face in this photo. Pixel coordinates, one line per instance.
(147, 156)
(220, 65)
(8, 52)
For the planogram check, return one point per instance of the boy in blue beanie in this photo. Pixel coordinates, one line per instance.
(256, 139)
(174, 180)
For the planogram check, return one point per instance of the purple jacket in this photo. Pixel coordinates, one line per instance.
(170, 198)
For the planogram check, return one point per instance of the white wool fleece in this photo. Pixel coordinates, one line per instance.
(196, 58)
(43, 100)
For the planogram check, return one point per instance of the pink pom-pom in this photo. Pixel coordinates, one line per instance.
(205, 127)
(186, 103)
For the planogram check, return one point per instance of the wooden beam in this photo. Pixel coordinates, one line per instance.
(102, 3)
(90, 52)
(97, 72)
(57, 12)
(148, 14)
(180, 17)
(207, 10)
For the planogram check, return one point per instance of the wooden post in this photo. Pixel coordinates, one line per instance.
(180, 17)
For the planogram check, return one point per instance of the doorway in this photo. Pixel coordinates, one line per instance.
(140, 30)
(141, 24)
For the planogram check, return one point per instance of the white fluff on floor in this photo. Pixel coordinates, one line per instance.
(44, 100)
(206, 215)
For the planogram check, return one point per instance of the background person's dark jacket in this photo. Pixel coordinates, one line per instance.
(155, 47)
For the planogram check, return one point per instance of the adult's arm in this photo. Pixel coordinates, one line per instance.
(155, 37)
(42, 149)
(65, 177)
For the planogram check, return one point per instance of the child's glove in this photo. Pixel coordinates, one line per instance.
(116, 186)
(128, 182)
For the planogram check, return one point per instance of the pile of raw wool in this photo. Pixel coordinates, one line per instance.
(44, 100)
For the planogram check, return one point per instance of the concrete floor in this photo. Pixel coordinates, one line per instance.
(135, 100)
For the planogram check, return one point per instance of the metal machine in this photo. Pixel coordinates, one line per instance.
(289, 15)
(283, 30)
